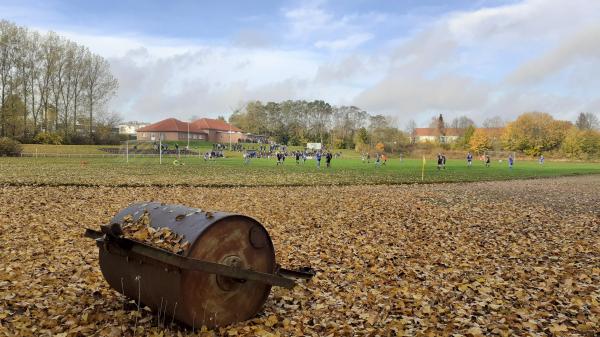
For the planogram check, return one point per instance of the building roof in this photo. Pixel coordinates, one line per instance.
(424, 132)
(197, 126)
(214, 124)
(170, 125)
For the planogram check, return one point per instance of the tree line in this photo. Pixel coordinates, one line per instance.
(535, 133)
(531, 133)
(297, 122)
(50, 85)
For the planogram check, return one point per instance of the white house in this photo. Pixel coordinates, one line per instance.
(130, 128)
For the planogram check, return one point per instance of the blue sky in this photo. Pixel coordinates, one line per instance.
(207, 20)
(407, 59)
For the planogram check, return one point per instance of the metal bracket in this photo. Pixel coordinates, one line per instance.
(283, 277)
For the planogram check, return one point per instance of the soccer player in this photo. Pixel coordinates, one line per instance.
(469, 159)
(318, 158)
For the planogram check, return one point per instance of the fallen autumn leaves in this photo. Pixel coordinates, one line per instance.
(501, 258)
(162, 237)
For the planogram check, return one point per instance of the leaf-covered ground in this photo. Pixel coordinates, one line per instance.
(489, 258)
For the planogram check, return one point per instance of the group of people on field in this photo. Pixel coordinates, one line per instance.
(281, 153)
(300, 156)
(486, 159)
(380, 159)
(318, 156)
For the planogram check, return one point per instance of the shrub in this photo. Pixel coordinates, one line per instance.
(582, 144)
(78, 139)
(10, 147)
(479, 142)
(48, 138)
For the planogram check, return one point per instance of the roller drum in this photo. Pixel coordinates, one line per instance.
(195, 297)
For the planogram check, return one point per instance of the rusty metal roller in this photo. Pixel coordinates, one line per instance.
(223, 277)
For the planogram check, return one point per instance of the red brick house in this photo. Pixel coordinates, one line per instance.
(212, 130)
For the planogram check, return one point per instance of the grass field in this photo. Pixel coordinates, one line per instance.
(94, 150)
(65, 149)
(114, 171)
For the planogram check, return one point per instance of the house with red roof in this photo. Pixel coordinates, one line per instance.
(212, 130)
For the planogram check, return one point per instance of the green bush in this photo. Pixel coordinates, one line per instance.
(48, 138)
(10, 147)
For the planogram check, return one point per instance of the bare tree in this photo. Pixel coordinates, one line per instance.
(346, 121)
(493, 122)
(462, 122)
(22, 78)
(587, 121)
(438, 124)
(77, 78)
(7, 68)
(44, 78)
(32, 59)
(411, 130)
(57, 80)
(48, 63)
(99, 84)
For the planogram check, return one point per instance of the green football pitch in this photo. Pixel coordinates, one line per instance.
(194, 171)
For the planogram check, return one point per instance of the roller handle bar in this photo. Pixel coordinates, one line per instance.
(109, 236)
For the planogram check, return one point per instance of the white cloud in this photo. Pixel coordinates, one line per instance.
(544, 49)
(341, 71)
(403, 94)
(117, 46)
(349, 42)
(208, 81)
(323, 29)
(504, 60)
(572, 49)
(530, 20)
(306, 20)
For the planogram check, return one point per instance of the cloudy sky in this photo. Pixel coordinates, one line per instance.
(410, 59)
